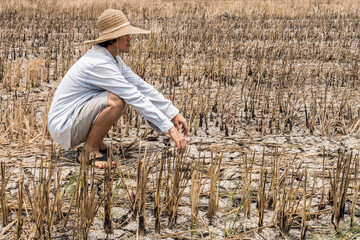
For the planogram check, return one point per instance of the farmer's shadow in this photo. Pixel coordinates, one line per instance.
(125, 156)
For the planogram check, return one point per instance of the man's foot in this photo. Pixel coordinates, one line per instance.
(100, 164)
(99, 160)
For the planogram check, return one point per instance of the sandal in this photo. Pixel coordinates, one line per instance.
(103, 152)
(106, 151)
(103, 158)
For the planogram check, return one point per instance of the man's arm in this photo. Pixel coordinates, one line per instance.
(160, 102)
(154, 96)
(108, 77)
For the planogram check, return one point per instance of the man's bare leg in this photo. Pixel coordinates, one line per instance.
(102, 125)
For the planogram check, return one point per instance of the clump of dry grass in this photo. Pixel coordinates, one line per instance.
(33, 78)
(247, 163)
(261, 194)
(108, 192)
(339, 182)
(86, 202)
(288, 202)
(178, 175)
(44, 199)
(142, 179)
(3, 198)
(196, 189)
(214, 172)
(20, 220)
(159, 186)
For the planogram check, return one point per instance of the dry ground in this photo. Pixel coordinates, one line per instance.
(268, 86)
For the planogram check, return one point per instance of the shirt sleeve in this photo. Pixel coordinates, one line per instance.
(109, 77)
(154, 96)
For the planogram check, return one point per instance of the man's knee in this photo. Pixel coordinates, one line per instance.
(116, 102)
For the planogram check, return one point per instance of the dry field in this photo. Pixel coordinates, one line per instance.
(271, 93)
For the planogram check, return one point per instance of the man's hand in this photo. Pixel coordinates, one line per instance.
(181, 124)
(178, 139)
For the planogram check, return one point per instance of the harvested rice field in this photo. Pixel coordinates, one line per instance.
(271, 93)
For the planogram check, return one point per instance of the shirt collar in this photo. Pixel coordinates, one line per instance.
(101, 50)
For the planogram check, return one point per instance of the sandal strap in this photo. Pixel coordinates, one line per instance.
(91, 161)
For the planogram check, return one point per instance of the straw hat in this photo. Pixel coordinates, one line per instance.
(113, 24)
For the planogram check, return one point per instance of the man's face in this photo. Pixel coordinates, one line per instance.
(123, 43)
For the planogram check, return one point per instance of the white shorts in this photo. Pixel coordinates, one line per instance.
(87, 117)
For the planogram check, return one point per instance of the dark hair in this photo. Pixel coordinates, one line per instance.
(107, 43)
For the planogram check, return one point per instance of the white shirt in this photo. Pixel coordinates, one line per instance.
(98, 71)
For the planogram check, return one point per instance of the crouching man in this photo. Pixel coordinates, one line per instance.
(97, 88)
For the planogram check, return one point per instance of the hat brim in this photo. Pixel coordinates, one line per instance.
(118, 33)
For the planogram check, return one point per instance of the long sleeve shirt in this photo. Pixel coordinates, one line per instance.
(98, 71)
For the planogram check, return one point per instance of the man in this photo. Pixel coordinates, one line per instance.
(95, 91)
